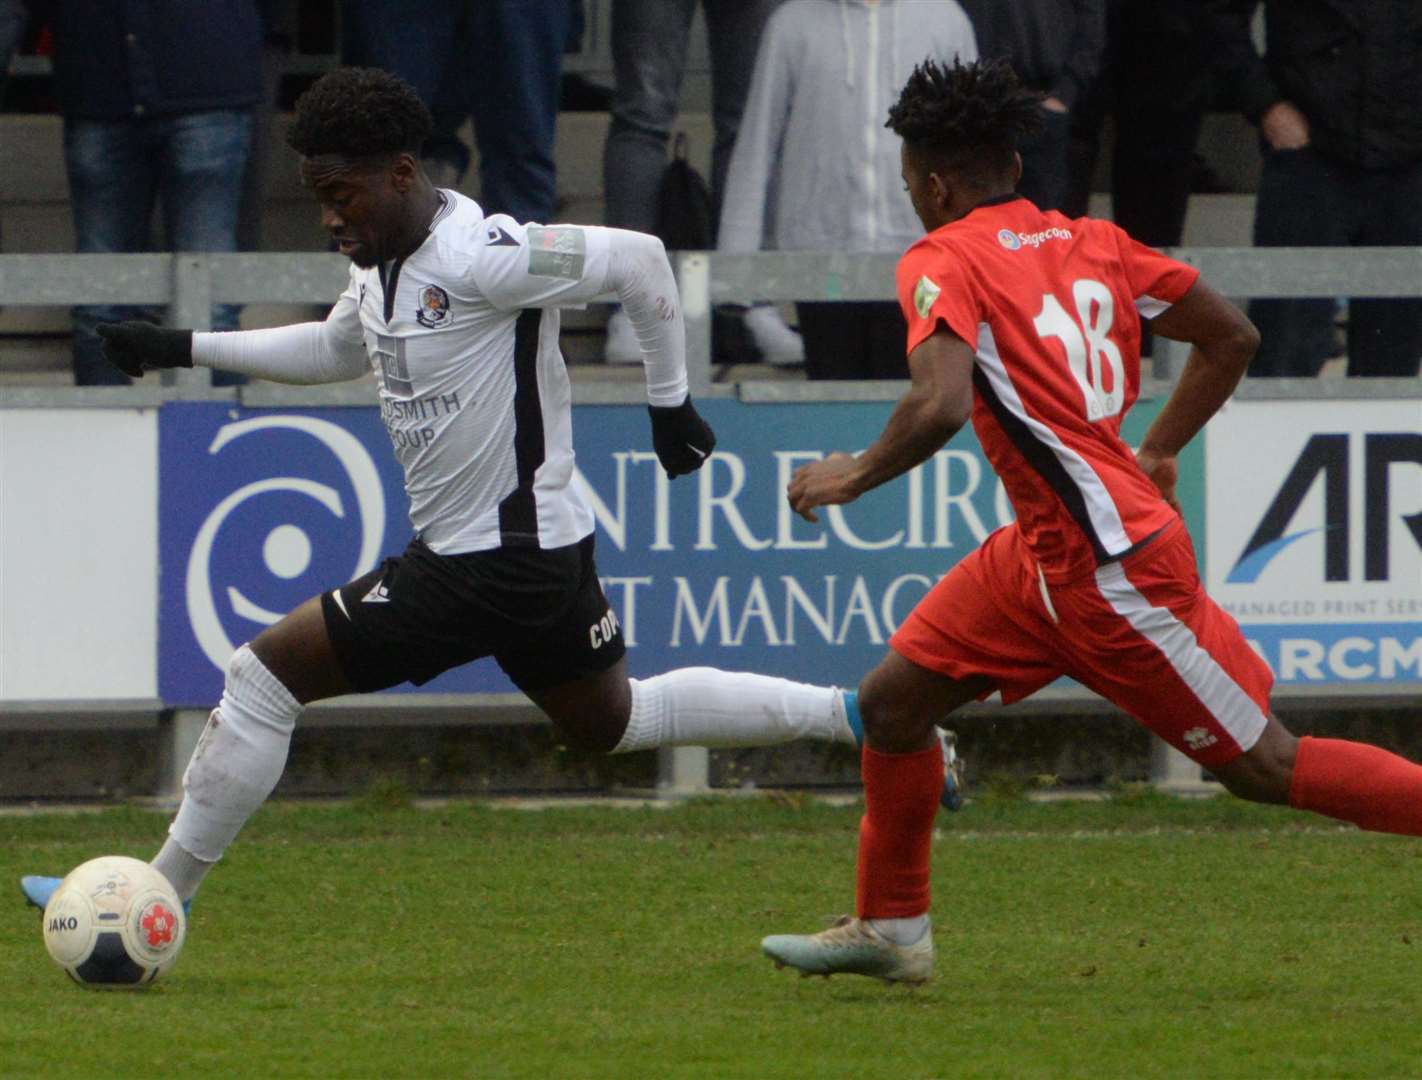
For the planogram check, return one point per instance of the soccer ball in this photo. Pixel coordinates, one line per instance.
(114, 924)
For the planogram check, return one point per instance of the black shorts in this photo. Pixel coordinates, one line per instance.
(541, 614)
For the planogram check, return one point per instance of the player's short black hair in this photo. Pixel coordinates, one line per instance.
(966, 118)
(359, 112)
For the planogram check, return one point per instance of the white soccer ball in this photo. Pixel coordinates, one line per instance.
(114, 924)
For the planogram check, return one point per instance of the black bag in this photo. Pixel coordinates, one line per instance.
(685, 218)
(686, 221)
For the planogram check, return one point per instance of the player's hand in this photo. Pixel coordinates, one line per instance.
(683, 441)
(1163, 472)
(829, 482)
(136, 347)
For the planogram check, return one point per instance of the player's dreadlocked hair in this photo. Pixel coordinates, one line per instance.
(359, 112)
(966, 118)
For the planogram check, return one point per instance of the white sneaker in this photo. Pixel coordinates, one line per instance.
(853, 947)
(621, 345)
(779, 345)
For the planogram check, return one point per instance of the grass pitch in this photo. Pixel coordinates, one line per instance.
(1136, 937)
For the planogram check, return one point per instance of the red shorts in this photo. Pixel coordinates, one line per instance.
(1140, 632)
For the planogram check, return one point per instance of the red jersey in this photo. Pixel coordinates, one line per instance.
(1052, 308)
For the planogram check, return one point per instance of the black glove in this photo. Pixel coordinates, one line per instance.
(136, 347)
(683, 441)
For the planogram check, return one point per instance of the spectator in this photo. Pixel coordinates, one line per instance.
(1158, 78)
(649, 40)
(500, 61)
(12, 27)
(815, 169)
(1056, 48)
(1338, 102)
(157, 99)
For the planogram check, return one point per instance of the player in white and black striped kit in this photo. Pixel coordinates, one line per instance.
(456, 313)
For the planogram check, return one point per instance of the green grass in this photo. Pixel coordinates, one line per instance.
(1136, 937)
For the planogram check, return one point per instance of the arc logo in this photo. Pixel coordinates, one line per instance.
(215, 589)
(1325, 458)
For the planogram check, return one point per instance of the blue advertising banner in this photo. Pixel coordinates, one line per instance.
(261, 509)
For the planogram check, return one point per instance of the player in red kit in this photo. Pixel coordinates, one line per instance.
(1029, 324)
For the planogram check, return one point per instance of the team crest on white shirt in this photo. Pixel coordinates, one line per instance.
(433, 310)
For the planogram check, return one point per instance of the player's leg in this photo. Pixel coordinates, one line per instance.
(575, 671)
(1366, 785)
(980, 628)
(1151, 640)
(698, 706)
(573, 668)
(242, 751)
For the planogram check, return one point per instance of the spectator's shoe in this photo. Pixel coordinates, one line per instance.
(778, 345)
(38, 890)
(620, 346)
(853, 947)
(952, 795)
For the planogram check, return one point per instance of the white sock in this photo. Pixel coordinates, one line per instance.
(901, 931)
(183, 871)
(706, 707)
(237, 762)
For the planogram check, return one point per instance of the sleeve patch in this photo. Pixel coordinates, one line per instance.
(925, 295)
(557, 251)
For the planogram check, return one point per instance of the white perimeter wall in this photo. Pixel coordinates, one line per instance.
(78, 553)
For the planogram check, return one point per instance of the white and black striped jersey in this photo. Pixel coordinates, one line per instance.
(463, 338)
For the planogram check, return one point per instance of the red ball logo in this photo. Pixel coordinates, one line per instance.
(158, 924)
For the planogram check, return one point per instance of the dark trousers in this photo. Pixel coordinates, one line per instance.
(854, 340)
(500, 61)
(1046, 173)
(1157, 81)
(1308, 200)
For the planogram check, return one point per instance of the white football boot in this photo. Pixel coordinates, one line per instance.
(853, 947)
(779, 346)
(620, 346)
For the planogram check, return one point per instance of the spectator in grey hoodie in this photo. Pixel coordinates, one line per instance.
(815, 169)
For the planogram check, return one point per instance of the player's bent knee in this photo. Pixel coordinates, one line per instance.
(1266, 772)
(588, 716)
(590, 735)
(892, 723)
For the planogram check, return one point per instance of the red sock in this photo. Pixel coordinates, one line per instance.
(1367, 785)
(896, 833)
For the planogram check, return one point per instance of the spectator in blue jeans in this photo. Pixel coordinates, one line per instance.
(500, 61)
(649, 41)
(157, 98)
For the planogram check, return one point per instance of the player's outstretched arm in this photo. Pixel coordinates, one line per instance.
(938, 403)
(1224, 341)
(304, 354)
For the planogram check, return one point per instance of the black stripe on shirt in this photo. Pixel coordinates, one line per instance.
(1045, 463)
(518, 512)
(389, 283)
